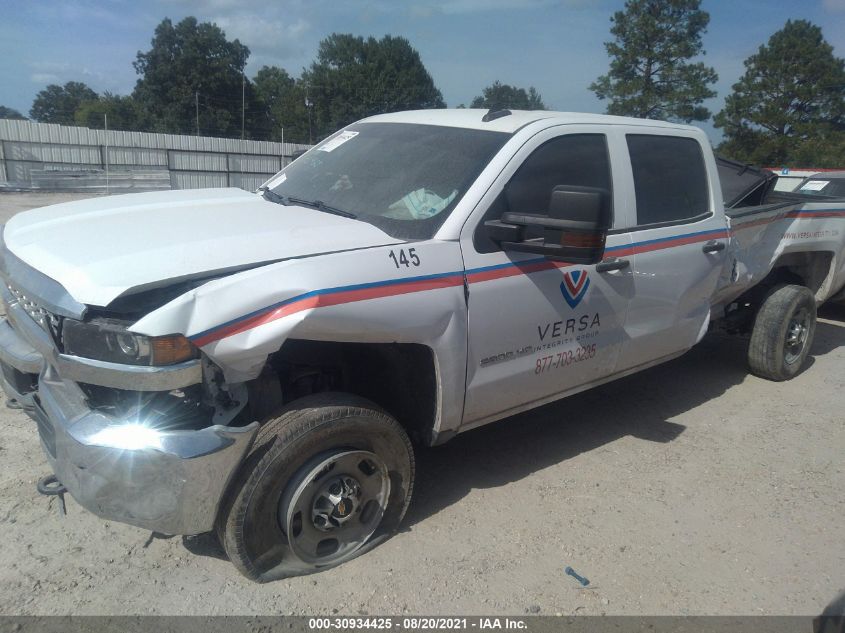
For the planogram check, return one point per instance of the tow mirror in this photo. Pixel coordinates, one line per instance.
(574, 229)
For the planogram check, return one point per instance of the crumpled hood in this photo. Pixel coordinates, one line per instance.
(100, 248)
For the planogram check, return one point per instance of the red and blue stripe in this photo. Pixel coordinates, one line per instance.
(801, 214)
(328, 297)
(406, 285)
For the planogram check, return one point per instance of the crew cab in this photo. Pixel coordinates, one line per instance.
(258, 363)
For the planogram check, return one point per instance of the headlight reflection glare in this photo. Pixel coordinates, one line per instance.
(128, 437)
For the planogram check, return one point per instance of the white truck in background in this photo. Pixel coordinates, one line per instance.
(255, 363)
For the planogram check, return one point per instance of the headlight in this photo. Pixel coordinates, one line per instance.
(109, 340)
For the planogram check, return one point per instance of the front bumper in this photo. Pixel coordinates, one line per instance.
(166, 481)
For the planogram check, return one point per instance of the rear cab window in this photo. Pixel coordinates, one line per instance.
(670, 179)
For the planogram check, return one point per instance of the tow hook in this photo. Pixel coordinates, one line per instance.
(50, 486)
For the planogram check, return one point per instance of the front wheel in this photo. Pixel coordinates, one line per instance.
(782, 333)
(328, 478)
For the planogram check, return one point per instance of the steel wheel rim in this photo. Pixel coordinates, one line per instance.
(796, 335)
(334, 505)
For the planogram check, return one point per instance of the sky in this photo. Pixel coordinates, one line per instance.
(557, 46)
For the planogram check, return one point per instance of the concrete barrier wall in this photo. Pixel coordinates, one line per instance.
(60, 157)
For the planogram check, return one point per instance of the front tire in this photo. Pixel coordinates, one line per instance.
(782, 333)
(327, 479)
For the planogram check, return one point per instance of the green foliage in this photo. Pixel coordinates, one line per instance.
(191, 67)
(10, 113)
(501, 96)
(121, 111)
(58, 104)
(281, 98)
(650, 74)
(188, 63)
(789, 106)
(354, 77)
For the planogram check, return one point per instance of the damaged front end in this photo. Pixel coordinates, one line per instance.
(138, 429)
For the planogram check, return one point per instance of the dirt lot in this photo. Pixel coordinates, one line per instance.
(691, 488)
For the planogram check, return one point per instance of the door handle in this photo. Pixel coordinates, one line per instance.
(713, 247)
(612, 264)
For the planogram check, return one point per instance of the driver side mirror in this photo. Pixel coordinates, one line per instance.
(574, 229)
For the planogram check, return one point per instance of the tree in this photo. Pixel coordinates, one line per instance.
(500, 96)
(10, 113)
(353, 78)
(121, 111)
(58, 104)
(789, 106)
(281, 99)
(192, 66)
(650, 73)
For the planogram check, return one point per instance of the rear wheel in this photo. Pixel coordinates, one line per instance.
(782, 333)
(328, 478)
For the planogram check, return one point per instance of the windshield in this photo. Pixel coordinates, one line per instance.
(404, 178)
(834, 188)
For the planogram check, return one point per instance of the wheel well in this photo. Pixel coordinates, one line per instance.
(811, 270)
(399, 377)
(805, 269)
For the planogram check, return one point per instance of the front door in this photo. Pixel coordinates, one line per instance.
(539, 328)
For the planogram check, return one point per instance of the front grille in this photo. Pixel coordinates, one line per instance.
(48, 321)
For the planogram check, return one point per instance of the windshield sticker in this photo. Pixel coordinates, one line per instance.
(275, 182)
(337, 141)
(814, 185)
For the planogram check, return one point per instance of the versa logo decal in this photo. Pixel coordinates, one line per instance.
(574, 286)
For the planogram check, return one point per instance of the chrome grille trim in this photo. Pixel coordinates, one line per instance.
(49, 293)
(47, 320)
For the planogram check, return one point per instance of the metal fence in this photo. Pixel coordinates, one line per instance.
(60, 157)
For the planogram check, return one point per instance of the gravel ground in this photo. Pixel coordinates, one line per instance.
(690, 488)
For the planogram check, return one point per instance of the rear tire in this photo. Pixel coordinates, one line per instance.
(782, 333)
(328, 478)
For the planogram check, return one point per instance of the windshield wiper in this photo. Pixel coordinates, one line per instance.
(271, 196)
(313, 204)
(320, 206)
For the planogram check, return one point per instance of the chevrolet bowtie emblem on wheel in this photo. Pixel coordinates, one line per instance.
(574, 286)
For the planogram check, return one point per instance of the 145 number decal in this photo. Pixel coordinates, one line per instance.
(405, 259)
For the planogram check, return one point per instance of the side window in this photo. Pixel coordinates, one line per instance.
(575, 159)
(670, 179)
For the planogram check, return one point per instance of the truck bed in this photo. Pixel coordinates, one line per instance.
(788, 228)
(771, 228)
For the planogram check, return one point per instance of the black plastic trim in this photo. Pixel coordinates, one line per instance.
(660, 225)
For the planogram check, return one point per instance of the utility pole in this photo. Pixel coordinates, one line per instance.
(197, 104)
(243, 103)
(308, 106)
(106, 126)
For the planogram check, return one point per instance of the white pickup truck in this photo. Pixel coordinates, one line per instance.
(255, 363)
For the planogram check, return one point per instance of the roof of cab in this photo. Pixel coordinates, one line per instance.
(472, 118)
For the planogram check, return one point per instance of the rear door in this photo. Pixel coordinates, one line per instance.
(678, 244)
